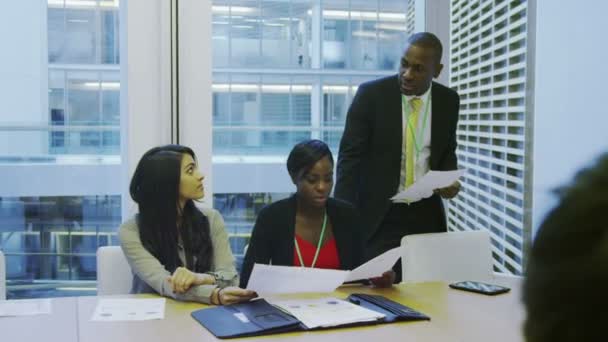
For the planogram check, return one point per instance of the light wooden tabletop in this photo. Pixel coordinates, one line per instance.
(60, 326)
(455, 316)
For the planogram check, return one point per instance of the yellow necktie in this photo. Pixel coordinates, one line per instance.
(410, 129)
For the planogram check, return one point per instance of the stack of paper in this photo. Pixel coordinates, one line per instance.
(326, 312)
(126, 309)
(25, 307)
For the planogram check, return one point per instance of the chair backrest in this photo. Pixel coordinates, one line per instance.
(2, 277)
(113, 271)
(452, 256)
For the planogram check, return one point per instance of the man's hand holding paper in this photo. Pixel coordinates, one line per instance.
(449, 192)
(445, 183)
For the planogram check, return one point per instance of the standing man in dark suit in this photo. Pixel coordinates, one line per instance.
(397, 129)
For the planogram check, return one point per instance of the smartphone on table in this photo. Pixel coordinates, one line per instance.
(479, 287)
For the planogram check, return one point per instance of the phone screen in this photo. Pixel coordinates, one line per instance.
(479, 287)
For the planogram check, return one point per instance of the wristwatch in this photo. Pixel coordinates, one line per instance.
(221, 279)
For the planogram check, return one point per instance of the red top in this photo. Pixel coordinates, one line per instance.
(328, 255)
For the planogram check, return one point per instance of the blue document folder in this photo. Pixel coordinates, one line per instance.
(245, 319)
(258, 317)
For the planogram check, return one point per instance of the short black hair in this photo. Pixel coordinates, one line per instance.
(565, 287)
(305, 155)
(427, 40)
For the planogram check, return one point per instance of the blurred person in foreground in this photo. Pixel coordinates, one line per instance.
(567, 276)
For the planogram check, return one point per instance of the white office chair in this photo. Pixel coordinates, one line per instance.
(113, 271)
(452, 256)
(2, 277)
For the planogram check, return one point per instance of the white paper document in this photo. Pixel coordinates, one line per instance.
(268, 279)
(376, 266)
(423, 188)
(326, 312)
(25, 307)
(129, 309)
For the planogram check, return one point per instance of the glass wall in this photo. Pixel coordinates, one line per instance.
(60, 157)
(285, 71)
(88, 99)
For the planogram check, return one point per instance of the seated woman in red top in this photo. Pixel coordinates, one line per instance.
(309, 229)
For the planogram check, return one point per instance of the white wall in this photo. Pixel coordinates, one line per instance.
(436, 20)
(145, 84)
(570, 111)
(195, 85)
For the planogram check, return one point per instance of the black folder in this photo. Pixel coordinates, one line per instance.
(258, 317)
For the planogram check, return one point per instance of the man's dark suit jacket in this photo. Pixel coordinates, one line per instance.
(274, 231)
(369, 163)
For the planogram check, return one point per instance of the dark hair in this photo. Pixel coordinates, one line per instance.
(305, 155)
(427, 40)
(155, 188)
(567, 275)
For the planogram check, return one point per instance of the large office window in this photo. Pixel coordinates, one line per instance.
(60, 156)
(285, 71)
(488, 67)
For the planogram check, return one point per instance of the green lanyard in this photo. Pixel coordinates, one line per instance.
(406, 109)
(314, 261)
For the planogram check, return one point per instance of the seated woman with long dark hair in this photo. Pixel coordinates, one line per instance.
(174, 248)
(309, 229)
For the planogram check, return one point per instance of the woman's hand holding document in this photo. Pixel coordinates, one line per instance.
(377, 266)
(268, 279)
(424, 187)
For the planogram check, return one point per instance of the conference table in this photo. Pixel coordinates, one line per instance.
(455, 316)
